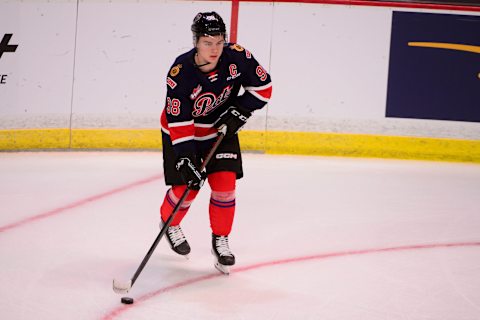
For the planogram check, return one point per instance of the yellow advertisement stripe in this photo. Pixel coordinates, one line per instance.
(450, 46)
(116, 139)
(29, 139)
(271, 142)
(362, 145)
(25, 139)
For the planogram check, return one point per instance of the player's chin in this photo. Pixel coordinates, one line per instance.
(213, 59)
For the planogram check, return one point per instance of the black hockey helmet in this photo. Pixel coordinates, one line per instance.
(208, 23)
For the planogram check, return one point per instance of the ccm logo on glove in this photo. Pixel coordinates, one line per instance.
(239, 115)
(234, 118)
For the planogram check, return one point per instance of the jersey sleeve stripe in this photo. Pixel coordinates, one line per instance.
(204, 125)
(180, 133)
(180, 140)
(210, 136)
(165, 130)
(201, 133)
(250, 88)
(262, 95)
(259, 96)
(205, 132)
(180, 124)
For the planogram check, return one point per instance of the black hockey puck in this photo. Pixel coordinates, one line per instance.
(127, 300)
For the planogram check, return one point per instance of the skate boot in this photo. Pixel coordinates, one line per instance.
(177, 240)
(224, 258)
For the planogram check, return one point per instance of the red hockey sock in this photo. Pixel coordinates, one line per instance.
(222, 202)
(171, 199)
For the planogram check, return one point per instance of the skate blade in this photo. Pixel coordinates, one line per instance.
(222, 268)
(187, 257)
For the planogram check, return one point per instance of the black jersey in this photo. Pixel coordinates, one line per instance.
(195, 100)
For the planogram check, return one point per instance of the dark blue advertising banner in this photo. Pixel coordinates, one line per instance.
(434, 70)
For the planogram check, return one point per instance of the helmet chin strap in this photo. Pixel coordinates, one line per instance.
(200, 65)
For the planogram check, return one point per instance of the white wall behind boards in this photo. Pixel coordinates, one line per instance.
(335, 64)
(255, 29)
(125, 50)
(329, 64)
(38, 87)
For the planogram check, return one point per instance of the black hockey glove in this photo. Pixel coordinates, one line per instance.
(191, 175)
(234, 118)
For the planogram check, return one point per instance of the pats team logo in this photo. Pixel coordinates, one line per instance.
(196, 92)
(175, 70)
(208, 101)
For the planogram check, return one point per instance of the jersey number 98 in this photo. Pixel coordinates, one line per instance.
(173, 106)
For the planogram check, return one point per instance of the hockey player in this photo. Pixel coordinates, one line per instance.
(202, 95)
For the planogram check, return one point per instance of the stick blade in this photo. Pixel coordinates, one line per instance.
(122, 286)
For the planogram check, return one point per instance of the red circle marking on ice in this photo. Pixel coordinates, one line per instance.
(79, 203)
(119, 310)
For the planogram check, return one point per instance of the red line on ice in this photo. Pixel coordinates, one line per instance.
(79, 203)
(123, 308)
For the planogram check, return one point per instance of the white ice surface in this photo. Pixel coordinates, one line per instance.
(308, 237)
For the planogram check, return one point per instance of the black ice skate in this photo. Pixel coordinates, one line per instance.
(177, 240)
(224, 258)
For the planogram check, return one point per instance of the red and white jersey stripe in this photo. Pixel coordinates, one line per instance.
(188, 130)
(262, 93)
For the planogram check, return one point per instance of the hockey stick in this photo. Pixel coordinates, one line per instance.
(125, 286)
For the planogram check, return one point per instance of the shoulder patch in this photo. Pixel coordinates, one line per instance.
(237, 47)
(172, 84)
(175, 70)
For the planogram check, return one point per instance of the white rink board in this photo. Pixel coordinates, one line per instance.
(124, 53)
(40, 72)
(329, 64)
